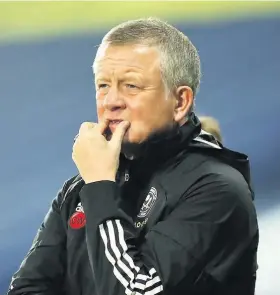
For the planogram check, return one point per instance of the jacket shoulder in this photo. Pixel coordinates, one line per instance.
(198, 168)
(70, 187)
(207, 165)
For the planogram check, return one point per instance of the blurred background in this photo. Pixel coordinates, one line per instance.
(47, 91)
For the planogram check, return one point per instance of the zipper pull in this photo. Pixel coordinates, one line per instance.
(126, 176)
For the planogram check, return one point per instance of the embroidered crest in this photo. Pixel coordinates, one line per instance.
(148, 203)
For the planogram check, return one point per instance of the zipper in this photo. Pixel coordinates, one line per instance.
(123, 175)
(126, 175)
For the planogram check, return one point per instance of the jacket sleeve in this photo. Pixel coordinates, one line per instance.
(206, 233)
(43, 267)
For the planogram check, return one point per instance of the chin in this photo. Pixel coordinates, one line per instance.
(132, 145)
(132, 138)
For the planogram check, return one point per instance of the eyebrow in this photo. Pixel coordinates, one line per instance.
(125, 76)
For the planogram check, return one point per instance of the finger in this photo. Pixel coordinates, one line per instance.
(85, 126)
(101, 127)
(119, 133)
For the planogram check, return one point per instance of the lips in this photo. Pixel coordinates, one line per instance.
(113, 124)
(115, 121)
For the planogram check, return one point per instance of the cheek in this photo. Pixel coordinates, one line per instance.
(140, 114)
(145, 120)
(99, 109)
(140, 118)
(152, 115)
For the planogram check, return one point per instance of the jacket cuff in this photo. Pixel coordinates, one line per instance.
(99, 200)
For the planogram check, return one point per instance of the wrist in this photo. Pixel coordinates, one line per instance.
(97, 178)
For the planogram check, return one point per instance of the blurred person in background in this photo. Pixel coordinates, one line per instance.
(212, 126)
(157, 208)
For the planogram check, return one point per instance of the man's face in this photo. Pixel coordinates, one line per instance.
(129, 87)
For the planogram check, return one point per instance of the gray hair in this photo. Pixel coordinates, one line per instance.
(180, 62)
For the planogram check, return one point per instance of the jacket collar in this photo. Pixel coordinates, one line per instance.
(168, 142)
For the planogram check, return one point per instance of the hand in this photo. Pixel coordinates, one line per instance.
(96, 158)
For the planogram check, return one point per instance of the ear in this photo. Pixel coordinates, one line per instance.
(184, 102)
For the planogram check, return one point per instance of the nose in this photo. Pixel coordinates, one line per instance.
(113, 100)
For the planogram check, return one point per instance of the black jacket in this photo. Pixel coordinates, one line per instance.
(180, 220)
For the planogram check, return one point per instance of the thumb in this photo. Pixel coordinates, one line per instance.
(119, 133)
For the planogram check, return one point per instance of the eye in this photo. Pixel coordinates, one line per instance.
(131, 86)
(101, 86)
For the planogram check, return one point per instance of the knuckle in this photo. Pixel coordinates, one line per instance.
(86, 125)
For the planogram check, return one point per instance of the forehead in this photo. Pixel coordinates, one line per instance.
(126, 58)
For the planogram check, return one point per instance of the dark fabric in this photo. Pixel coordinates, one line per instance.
(179, 220)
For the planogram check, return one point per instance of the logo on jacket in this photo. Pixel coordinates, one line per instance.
(78, 219)
(148, 203)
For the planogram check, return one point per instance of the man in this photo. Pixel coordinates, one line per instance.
(155, 209)
(212, 126)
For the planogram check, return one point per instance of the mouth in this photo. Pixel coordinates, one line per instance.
(113, 124)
